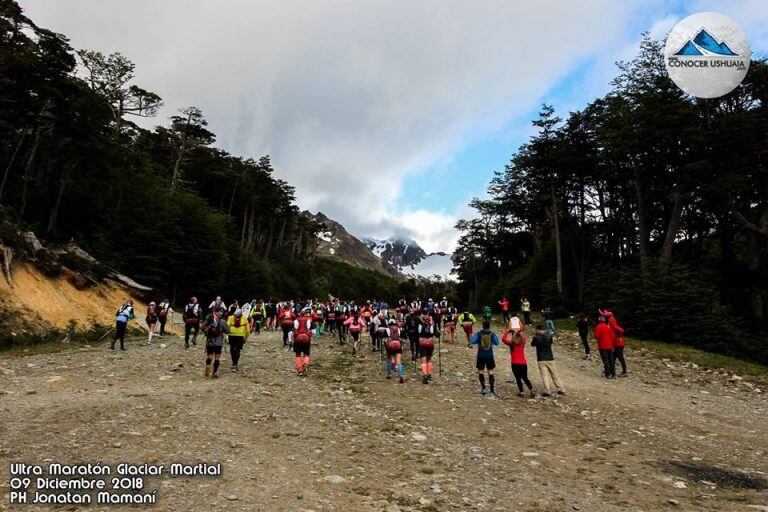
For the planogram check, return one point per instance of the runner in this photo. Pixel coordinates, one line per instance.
(487, 313)
(515, 324)
(412, 323)
(379, 331)
(542, 341)
(214, 328)
(271, 310)
(238, 335)
(618, 342)
(164, 311)
(342, 313)
(583, 326)
(286, 319)
(516, 342)
(485, 339)
(191, 317)
(504, 303)
(549, 320)
(257, 314)
(218, 307)
(449, 323)
(330, 320)
(302, 341)
(525, 307)
(232, 308)
(151, 319)
(605, 342)
(426, 345)
(394, 346)
(355, 324)
(122, 316)
(467, 321)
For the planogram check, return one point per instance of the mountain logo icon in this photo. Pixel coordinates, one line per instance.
(704, 44)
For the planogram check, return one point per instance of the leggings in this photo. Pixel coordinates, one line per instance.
(188, 328)
(521, 375)
(235, 347)
(341, 328)
(609, 363)
(584, 342)
(286, 330)
(618, 354)
(413, 338)
(120, 328)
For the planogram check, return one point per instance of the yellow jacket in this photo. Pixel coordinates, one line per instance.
(243, 330)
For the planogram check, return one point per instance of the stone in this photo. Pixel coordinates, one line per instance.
(679, 485)
(419, 438)
(335, 479)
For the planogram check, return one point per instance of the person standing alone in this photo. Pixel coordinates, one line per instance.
(542, 341)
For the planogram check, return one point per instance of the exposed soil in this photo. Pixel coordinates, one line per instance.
(670, 436)
(57, 301)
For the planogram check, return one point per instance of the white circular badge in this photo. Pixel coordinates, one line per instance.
(707, 55)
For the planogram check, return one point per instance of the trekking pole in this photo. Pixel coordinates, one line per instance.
(104, 335)
(439, 355)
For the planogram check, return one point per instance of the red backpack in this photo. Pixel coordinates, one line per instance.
(394, 342)
(303, 334)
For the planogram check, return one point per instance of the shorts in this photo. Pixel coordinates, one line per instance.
(485, 362)
(151, 320)
(213, 349)
(301, 348)
(426, 351)
(392, 353)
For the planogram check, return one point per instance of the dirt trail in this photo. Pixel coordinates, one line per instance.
(283, 441)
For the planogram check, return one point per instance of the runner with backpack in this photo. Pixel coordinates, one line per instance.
(449, 323)
(394, 347)
(426, 345)
(238, 335)
(342, 313)
(215, 328)
(302, 341)
(485, 339)
(163, 313)
(355, 324)
(192, 316)
(467, 321)
(286, 318)
(412, 323)
(516, 341)
(151, 319)
(122, 317)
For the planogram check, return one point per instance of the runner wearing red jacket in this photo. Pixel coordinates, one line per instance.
(605, 341)
(516, 341)
(285, 318)
(618, 343)
(504, 303)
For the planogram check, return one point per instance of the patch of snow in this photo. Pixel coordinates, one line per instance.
(325, 236)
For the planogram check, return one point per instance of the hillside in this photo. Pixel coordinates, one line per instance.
(336, 243)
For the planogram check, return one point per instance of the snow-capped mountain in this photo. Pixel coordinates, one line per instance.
(409, 258)
(397, 257)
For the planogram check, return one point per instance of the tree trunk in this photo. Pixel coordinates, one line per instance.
(642, 227)
(10, 164)
(28, 172)
(57, 204)
(558, 248)
(672, 228)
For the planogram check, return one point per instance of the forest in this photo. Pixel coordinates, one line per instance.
(646, 201)
(165, 206)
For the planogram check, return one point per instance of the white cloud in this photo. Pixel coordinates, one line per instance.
(350, 98)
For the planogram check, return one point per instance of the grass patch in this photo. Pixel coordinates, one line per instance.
(680, 353)
(427, 470)
(676, 352)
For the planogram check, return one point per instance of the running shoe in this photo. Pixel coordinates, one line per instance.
(483, 392)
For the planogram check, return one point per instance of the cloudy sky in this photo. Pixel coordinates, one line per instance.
(387, 115)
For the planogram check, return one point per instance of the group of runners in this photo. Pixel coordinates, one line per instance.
(416, 328)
